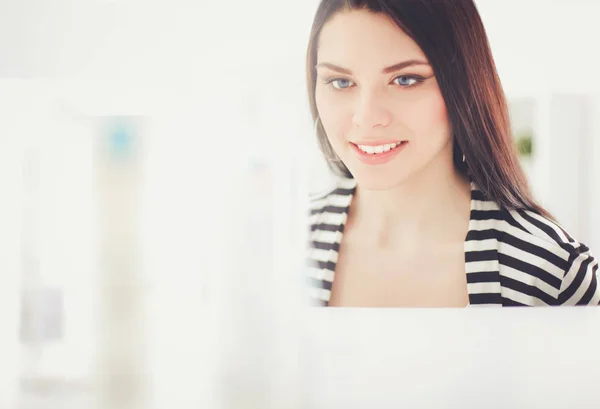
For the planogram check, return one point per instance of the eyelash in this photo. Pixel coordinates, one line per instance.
(418, 79)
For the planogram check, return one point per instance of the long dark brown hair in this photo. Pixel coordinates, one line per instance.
(452, 36)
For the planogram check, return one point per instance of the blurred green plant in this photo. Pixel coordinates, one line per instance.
(524, 141)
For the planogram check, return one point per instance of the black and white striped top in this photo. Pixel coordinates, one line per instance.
(512, 257)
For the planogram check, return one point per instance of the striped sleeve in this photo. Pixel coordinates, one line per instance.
(580, 283)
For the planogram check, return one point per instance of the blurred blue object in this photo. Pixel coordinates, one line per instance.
(121, 139)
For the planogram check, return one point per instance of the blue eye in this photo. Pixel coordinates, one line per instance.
(342, 83)
(407, 80)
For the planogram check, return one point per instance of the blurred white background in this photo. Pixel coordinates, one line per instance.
(156, 256)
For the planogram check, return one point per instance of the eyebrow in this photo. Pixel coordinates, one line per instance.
(386, 70)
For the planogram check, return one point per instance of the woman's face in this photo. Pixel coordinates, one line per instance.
(378, 101)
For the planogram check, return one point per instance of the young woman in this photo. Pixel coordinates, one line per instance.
(432, 208)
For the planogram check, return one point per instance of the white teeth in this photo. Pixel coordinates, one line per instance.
(368, 149)
(377, 149)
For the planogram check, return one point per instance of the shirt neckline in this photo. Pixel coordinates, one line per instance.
(349, 184)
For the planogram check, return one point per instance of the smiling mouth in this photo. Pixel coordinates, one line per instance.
(379, 149)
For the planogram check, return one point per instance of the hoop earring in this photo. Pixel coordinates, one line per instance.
(327, 157)
(317, 120)
(461, 152)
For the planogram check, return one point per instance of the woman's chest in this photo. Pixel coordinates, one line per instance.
(389, 278)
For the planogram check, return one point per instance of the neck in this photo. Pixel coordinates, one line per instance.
(433, 204)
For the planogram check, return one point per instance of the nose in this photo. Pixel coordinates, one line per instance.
(371, 111)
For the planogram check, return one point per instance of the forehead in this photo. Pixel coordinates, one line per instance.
(360, 37)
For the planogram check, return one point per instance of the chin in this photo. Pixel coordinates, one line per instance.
(369, 180)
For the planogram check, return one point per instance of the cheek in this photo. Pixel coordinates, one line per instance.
(439, 112)
(335, 117)
(428, 116)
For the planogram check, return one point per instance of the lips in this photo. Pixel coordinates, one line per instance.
(378, 149)
(380, 153)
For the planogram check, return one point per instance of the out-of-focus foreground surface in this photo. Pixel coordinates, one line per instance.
(154, 164)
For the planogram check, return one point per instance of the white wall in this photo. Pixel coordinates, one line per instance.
(10, 255)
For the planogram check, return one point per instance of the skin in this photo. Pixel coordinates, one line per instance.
(404, 239)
